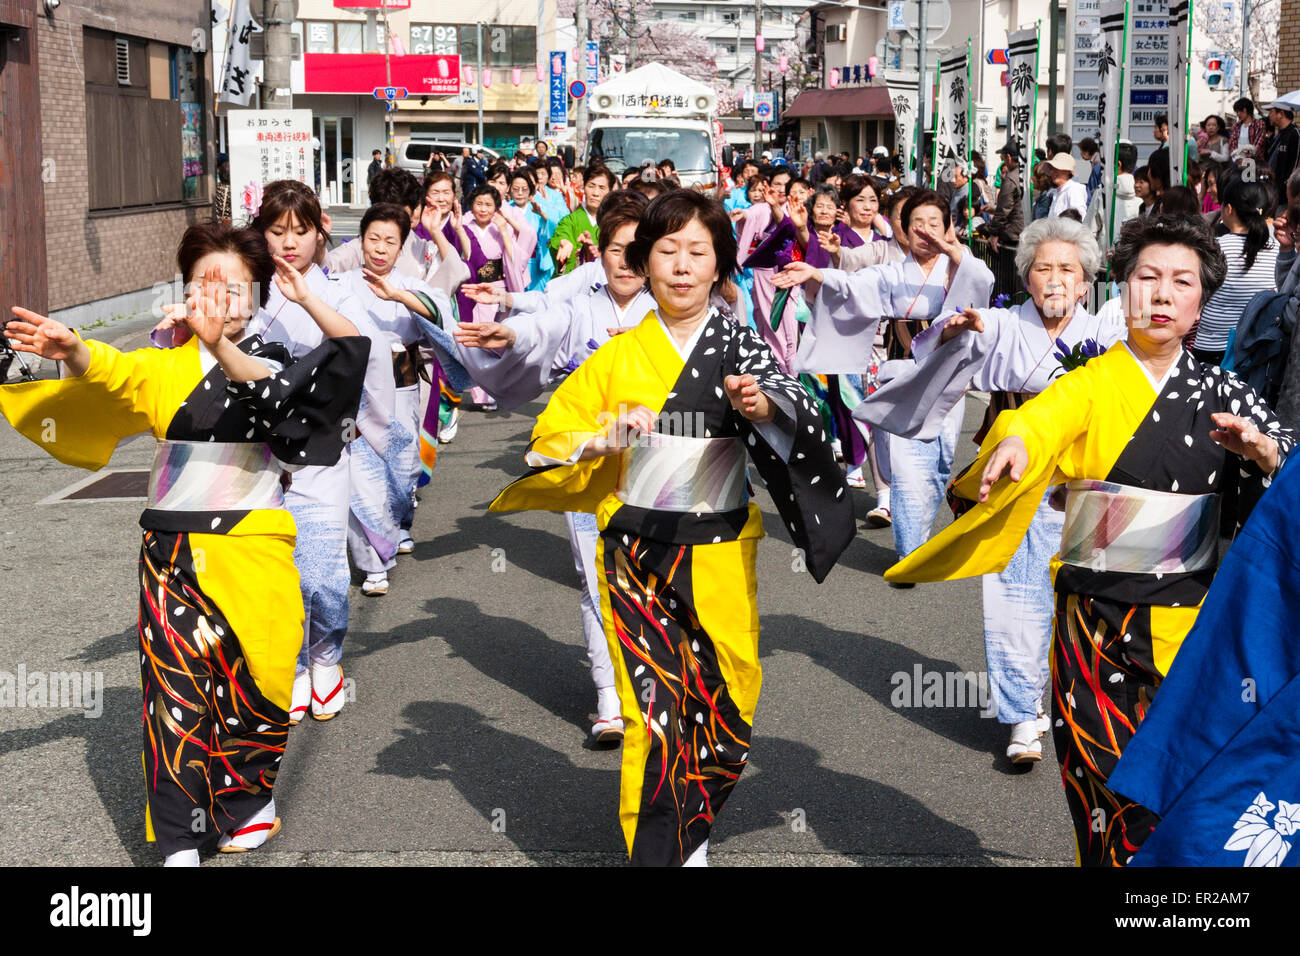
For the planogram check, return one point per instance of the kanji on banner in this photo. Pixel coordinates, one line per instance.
(1180, 38)
(1022, 78)
(237, 78)
(952, 114)
(902, 96)
(1110, 99)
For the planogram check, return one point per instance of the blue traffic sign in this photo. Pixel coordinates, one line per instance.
(577, 89)
(390, 92)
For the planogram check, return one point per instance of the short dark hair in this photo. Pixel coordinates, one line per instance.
(396, 186)
(1244, 104)
(497, 169)
(482, 191)
(854, 184)
(774, 171)
(248, 244)
(1162, 119)
(619, 208)
(1059, 143)
(376, 152)
(599, 171)
(435, 177)
(1158, 167)
(1127, 154)
(1179, 201)
(670, 213)
(667, 162)
(1165, 230)
(900, 197)
(926, 197)
(648, 188)
(386, 212)
(289, 196)
(1088, 145)
(526, 174)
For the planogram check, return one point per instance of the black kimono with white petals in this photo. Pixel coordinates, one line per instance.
(680, 603)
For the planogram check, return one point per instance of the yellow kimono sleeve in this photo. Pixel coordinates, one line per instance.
(576, 413)
(79, 421)
(983, 540)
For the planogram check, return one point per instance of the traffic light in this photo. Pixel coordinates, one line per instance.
(1215, 66)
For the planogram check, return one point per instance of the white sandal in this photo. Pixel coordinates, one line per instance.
(1025, 747)
(375, 586)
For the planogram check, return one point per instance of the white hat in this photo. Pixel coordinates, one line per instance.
(1062, 161)
(767, 154)
(880, 151)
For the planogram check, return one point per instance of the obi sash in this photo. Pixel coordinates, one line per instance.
(674, 473)
(214, 476)
(1112, 527)
(492, 271)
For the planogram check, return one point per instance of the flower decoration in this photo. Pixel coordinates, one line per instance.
(252, 199)
(1079, 356)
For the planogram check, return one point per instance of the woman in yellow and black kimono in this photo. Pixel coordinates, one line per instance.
(651, 433)
(1145, 440)
(221, 615)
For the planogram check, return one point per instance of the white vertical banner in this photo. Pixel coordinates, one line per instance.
(1110, 104)
(1022, 123)
(986, 118)
(237, 74)
(1180, 38)
(902, 96)
(952, 113)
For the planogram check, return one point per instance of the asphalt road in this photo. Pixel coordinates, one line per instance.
(465, 742)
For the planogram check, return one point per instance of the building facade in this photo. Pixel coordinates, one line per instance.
(344, 58)
(105, 153)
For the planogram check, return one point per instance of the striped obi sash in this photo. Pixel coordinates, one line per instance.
(674, 473)
(1110, 527)
(214, 476)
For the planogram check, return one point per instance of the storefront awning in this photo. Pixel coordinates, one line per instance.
(865, 102)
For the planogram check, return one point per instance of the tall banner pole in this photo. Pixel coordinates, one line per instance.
(1180, 35)
(902, 89)
(1022, 120)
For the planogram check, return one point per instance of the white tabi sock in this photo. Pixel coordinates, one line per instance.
(700, 857)
(607, 705)
(182, 858)
(251, 841)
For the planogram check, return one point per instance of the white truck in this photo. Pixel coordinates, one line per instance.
(650, 114)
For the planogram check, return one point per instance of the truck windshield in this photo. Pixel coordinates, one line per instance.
(621, 147)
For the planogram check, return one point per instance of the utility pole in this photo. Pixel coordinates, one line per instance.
(631, 35)
(541, 87)
(758, 61)
(1053, 33)
(390, 106)
(922, 94)
(277, 20)
(478, 33)
(1244, 67)
(580, 120)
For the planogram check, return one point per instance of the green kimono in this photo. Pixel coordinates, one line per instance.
(571, 227)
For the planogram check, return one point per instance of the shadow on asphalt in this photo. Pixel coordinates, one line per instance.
(539, 798)
(112, 744)
(545, 554)
(552, 674)
(869, 664)
(847, 813)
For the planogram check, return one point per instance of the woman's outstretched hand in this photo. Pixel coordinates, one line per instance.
(1010, 459)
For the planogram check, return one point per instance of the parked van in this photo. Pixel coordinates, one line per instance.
(413, 155)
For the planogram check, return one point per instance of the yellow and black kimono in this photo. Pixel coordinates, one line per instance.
(679, 537)
(1144, 484)
(221, 614)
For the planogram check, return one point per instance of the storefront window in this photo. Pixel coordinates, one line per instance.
(469, 45)
(421, 38)
(320, 37)
(349, 37)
